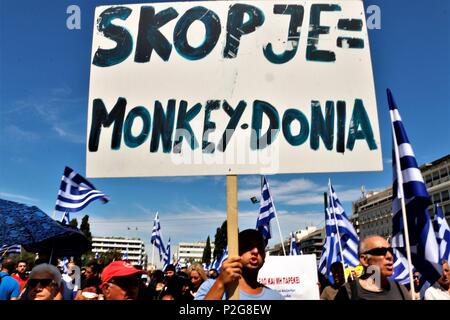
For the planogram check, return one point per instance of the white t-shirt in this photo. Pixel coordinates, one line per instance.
(436, 292)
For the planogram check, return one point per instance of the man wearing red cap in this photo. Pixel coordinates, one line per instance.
(120, 281)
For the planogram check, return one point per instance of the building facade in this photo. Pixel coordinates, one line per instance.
(192, 251)
(135, 248)
(300, 236)
(372, 213)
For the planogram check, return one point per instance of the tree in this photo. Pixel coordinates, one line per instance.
(220, 240)
(85, 228)
(74, 223)
(109, 256)
(207, 252)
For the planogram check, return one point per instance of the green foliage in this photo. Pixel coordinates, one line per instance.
(109, 256)
(207, 252)
(74, 223)
(220, 240)
(85, 227)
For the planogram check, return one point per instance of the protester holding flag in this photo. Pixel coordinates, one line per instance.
(376, 257)
(244, 269)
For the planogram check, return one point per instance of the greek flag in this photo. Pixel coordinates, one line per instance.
(166, 256)
(340, 234)
(65, 220)
(220, 261)
(266, 212)
(65, 265)
(294, 248)
(409, 184)
(5, 249)
(125, 255)
(212, 264)
(442, 232)
(75, 192)
(156, 238)
(401, 271)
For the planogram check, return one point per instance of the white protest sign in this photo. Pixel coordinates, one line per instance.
(295, 277)
(231, 87)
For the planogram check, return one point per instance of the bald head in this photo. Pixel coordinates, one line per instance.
(371, 242)
(376, 251)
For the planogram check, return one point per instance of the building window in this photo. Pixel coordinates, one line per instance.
(443, 172)
(435, 175)
(428, 179)
(445, 195)
(436, 198)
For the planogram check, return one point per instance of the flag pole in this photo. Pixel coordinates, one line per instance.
(232, 227)
(402, 201)
(337, 228)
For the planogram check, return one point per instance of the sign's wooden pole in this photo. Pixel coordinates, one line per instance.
(232, 227)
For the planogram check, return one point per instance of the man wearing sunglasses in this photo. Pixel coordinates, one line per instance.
(120, 281)
(44, 283)
(377, 258)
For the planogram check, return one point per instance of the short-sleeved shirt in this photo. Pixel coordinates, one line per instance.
(436, 292)
(22, 281)
(354, 291)
(9, 287)
(266, 294)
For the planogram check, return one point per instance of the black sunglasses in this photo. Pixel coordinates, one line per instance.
(379, 251)
(32, 283)
(126, 282)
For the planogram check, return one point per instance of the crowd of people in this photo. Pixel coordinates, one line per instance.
(120, 280)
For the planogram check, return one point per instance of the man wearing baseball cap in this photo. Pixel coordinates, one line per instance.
(120, 281)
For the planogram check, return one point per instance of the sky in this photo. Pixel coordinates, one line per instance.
(44, 84)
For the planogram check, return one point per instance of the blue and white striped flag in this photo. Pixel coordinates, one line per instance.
(65, 265)
(410, 186)
(65, 220)
(294, 248)
(220, 261)
(166, 256)
(340, 233)
(125, 255)
(401, 271)
(156, 238)
(442, 232)
(266, 212)
(212, 264)
(75, 192)
(6, 249)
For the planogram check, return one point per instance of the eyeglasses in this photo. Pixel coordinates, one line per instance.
(379, 251)
(33, 283)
